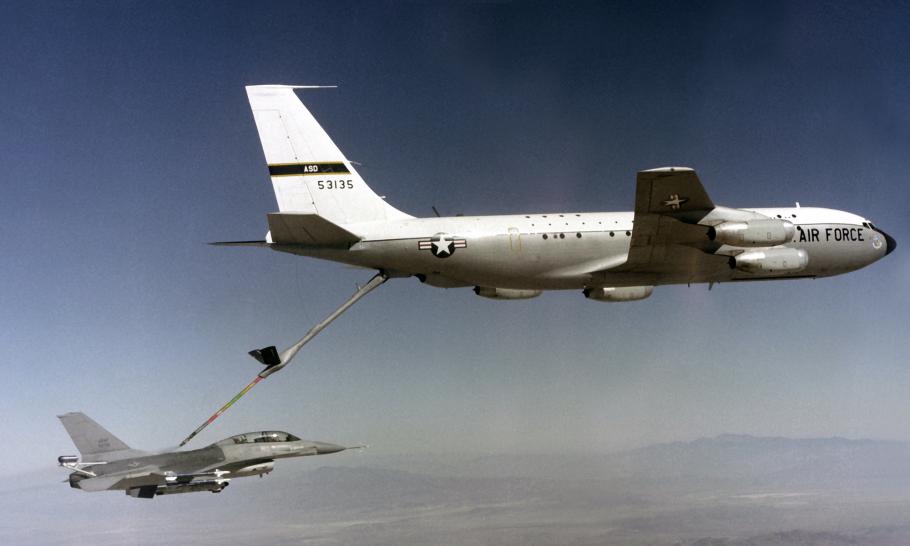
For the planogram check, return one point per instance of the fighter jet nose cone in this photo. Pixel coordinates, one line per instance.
(325, 449)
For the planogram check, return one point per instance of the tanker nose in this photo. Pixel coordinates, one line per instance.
(890, 243)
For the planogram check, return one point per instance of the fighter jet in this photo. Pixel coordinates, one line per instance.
(108, 463)
(675, 235)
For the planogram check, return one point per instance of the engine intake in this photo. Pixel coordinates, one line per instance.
(505, 293)
(772, 260)
(618, 293)
(768, 232)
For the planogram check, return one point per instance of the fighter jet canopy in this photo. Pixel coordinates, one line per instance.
(265, 436)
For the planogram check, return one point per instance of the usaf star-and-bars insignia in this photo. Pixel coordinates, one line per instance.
(441, 245)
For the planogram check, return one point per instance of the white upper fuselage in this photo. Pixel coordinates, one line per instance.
(578, 250)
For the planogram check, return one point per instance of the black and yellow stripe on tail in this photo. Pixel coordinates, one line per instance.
(304, 169)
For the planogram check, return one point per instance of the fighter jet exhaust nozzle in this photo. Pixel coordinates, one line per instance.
(768, 232)
(74, 480)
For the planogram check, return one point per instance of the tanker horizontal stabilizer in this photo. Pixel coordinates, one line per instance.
(308, 230)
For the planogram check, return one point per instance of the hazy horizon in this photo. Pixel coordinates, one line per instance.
(128, 145)
(729, 490)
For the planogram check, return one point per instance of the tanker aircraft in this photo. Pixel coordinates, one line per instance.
(675, 235)
(108, 463)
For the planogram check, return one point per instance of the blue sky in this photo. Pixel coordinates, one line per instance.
(127, 144)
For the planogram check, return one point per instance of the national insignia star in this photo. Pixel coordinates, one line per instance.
(442, 247)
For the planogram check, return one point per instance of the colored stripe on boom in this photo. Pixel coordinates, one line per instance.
(224, 408)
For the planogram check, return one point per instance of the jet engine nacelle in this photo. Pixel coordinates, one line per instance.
(254, 470)
(772, 260)
(618, 293)
(505, 293)
(768, 232)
